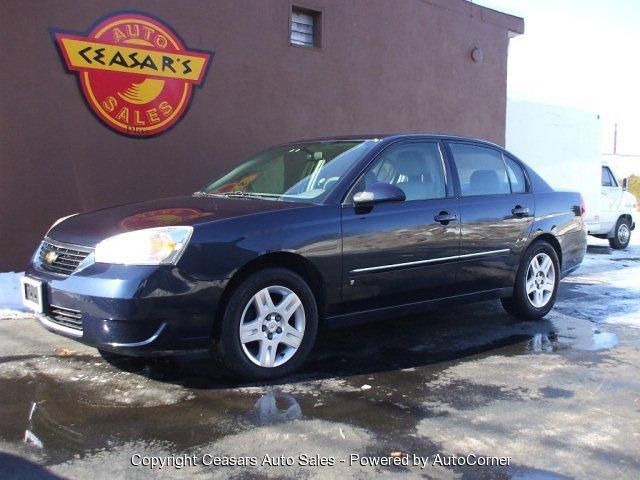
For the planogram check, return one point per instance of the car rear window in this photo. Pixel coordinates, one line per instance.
(516, 176)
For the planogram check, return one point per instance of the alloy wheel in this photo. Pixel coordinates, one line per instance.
(623, 233)
(272, 326)
(541, 280)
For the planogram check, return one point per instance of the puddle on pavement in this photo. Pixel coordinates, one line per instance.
(548, 343)
(65, 407)
(542, 343)
(600, 341)
(555, 392)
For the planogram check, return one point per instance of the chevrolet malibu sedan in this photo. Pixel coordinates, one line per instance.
(321, 232)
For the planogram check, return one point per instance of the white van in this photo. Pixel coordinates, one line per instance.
(564, 146)
(615, 219)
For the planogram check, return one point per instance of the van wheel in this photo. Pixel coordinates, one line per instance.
(536, 283)
(622, 235)
(269, 325)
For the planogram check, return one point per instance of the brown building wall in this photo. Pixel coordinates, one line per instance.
(384, 66)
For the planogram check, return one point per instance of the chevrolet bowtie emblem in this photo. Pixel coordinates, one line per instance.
(51, 257)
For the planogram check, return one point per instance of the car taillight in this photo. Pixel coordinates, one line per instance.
(583, 210)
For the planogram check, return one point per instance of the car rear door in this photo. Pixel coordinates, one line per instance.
(401, 252)
(497, 209)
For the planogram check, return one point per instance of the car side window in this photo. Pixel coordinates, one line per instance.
(481, 170)
(416, 168)
(516, 176)
(608, 180)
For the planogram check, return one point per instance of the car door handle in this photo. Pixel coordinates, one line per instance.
(445, 217)
(519, 211)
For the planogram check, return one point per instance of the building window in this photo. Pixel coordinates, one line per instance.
(305, 27)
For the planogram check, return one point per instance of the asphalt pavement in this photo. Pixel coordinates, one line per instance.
(460, 392)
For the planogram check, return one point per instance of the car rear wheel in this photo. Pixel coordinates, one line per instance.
(536, 283)
(269, 325)
(622, 234)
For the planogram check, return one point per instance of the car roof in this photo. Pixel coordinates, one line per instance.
(390, 137)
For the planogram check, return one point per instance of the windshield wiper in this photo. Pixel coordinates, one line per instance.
(206, 194)
(238, 194)
(266, 196)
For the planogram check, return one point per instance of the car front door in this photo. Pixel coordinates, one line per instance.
(401, 252)
(497, 210)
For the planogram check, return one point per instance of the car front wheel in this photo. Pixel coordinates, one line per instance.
(269, 325)
(536, 283)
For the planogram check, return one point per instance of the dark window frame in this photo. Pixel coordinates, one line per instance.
(522, 169)
(527, 178)
(318, 19)
(454, 168)
(612, 179)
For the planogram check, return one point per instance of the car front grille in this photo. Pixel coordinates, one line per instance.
(61, 258)
(66, 317)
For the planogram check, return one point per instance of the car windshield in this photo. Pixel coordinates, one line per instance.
(305, 172)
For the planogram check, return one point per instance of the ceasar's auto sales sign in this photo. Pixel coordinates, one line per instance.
(135, 72)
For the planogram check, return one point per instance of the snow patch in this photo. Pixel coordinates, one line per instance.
(631, 319)
(10, 298)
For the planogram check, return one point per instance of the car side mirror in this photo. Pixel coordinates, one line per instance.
(379, 193)
(625, 183)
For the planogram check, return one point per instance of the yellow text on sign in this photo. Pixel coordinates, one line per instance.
(83, 54)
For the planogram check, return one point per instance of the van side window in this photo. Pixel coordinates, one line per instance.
(608, 180)
(481, 170)
(516, 176)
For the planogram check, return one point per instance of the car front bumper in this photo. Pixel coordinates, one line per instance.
(130, 310)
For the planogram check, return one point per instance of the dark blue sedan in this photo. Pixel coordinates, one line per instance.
(328, 231)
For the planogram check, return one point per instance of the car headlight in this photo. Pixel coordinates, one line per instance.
(151, 246)
(60, 220)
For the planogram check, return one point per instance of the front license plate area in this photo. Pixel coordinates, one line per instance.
(32, 294)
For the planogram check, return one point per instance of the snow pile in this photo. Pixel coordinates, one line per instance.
(614, 274)
(10, 298)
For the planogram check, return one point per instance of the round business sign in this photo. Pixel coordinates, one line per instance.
(135, 72)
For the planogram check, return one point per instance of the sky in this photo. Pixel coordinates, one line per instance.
(583, 54)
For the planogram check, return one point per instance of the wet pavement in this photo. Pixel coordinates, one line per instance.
(560, 397)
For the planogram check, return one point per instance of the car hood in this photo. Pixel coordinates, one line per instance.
(90, 228)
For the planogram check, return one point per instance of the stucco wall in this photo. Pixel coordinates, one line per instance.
(384, 66)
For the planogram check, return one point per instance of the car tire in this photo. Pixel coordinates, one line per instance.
(266, 349)
(622, 234)
(534, 292)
